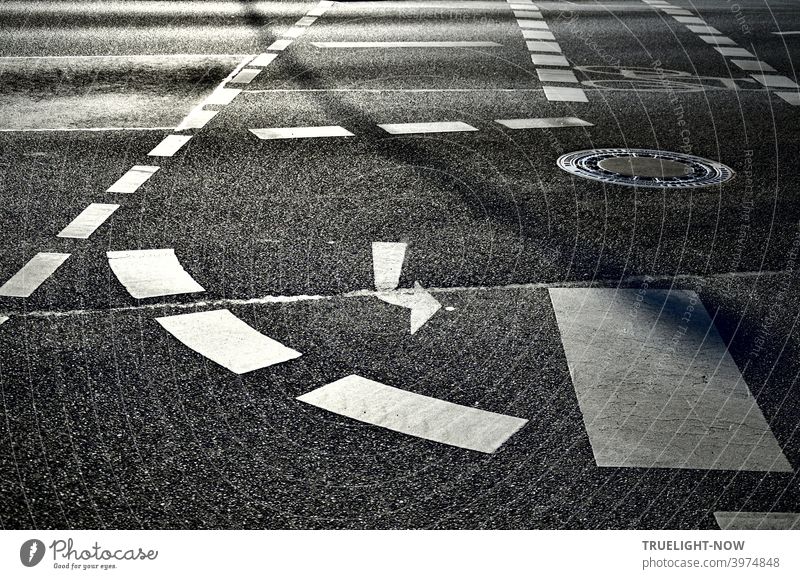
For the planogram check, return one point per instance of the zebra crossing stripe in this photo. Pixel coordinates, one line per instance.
(436, 127)
(387, 264)
(3, 320)
(301, 132)
(245, 76)
(263, 60)
(133, 179)
(568, 94)
(88, 221)
(549, 123)
(150, 273)
(169, 146)
(33, 274)
(743, 521)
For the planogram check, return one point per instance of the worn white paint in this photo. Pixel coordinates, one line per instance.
(281, 44)
(88, 221)
(170, 145)
(561, 93)
(245, 76)
(533, 27)
(556, 75)
(422, 304)
(541, 46)
(757, 521)
(33, 274)
(262, 60)
(222, 96)
(750, 65)
(549, 60)
(538, 35)
(793, 98)
(151, 273)
(730, 51)
(775, 81)
(717, 40)
(703, 29)
(546, 123)
(133, 179)
(301, 132)
(436, 127)
(196, 119)
(387, 264)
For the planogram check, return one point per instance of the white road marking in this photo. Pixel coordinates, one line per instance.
(717, 40)
(88, 221)
(775, 80)
(3, 320)
(245, 76)
(523, 15)
(439, 127)
(677, 12)
(757, 65)
(541, 46)
(225, 339)
(744, 521)
(531, 21)
(301, 132)
(33, 274)
(151, 273)
(702, 29)
(387, 264)
(306, 21)
(538, 35)
(555, 75)
(422, 304)
(787, 33)
(792, 98)
(122, 56)
(409, 44)
(549, 60)
(689, 20)
(281, 44)
(728, 51)
(414, 414)
(133, 179)
(560, 93)
(548, 123)
(169, 146)
(86, 129)
(263, 60)
(196, 119)
(222, 96)
(320, 8)
(656, 384)
(294, 32)
(537, 25)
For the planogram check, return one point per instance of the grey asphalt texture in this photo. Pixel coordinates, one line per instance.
(109, 422)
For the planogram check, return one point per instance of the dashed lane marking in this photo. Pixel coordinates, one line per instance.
(717, 40)
(744, 521)
(437, 127)
(407, 44)
(263, 60)
(225, 339)
(533, 26)
(749, 65)
(387, 264)
(133, 179)
(295, 32)
(306, 21)
(541, 46)
(151, 273)
(222, 96)
(560, 93)
(320, 8)
(689, 20)
(538, 34)
(281, 44)
(775, 80)
(88, 221)
(676, 12)
(792, 98)
(3, 320)
(549, 60)
(33, 274)
(702, 29)
(730, 51)
(245, 76)
(169, 146)
(301, 132)
(414, 414)
(657, 386)
(197, 119)
(547, 123)
(556, 75)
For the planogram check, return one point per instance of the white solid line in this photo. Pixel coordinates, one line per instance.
(133, 179)
(196, 119)
(792, 98)
(225, 339)
(301, 132)
(541, 46)
(85, 129)
(263, 60)
(245, 76)
(33, 274)
(222, 96)
(538, 35)
(151, 273)
(750, 65)
(775, 80)
(437, 127)
(549, 60)
(281, 44)
(548, 123)
(88, 221)
(556, 75)
(387, 264)
(560, 93)
(414, 414)
(170, 145)
(702, 29)
(411, 44)
(717, 40)
(757, 521)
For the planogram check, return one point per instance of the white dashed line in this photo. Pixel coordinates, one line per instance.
(548, 123)
(533, 26)
(225, 339)
(407, 44)
(549, 60)
(151, 273)
(387, 264)
(717, 40)
(538, 35)
(677, 12)
(792, 98)
(169, 146)
(222, 96)
(262, 60)
(306, 21)
(729, 51)
(3, 320)
(541, 46)
(281, 44)
(245, 76)
(757, 65)
(775, 80)
(745, 521)
(703, 29)
(533, 16)
(689, 20)
(295, 32)
(414, 414)
(320, 8)
(556, 75)
(133, 179)
(560, 93)
(88, 221)
(33, 274)
(197, 119)
(301, 132)
(439, 127)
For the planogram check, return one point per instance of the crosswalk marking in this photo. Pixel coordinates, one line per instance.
(703, 29)
(306, 21)
(793, 98)
(437, 127)
(197, 119)
(555, 75)
(222, 96)
(548, 123)
(538, 34)
(677, 12)
(763, 521)
(263, 60)
(549, 60)
(656, 384)
(387, 264)
(320, 8)
(775, 80)
(757, 65)
(3, 320)
(689, 20)
(149, 273)
(527, 16)
(225, 339)
(407, 44)
(533, 27)
(301, 132)
(717, 40)
(88, 221)
(281, 44)
(245, 76)
(169, 146)
(414, 414)
(295, 32)
(133, 179)
(560, 93)
(531, 21)
(542, 46)
(730, 51)
(33, 274)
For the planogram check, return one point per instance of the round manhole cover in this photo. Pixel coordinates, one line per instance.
(645, 168)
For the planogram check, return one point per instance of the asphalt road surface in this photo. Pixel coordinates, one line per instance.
(645, 336)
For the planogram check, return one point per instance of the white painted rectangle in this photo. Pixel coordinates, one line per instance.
(33, 274)
(262, 60)
(88, 221)
(541, 46)
(222, 96)
(539, 25)
(556, 75)
(523, 6)
(703, 29)
(306, 21)
(149, 273)
(656, 384)
(245, 76)
(561, 93)
(406, 44)
(527, 17)
(295, 32)
(538, 35)
(133, 179)
(281, 44)
(196, 119)
(547, 123)
(3, 320)
(440, 127)
(677, 12)
(717, 40)
(689, 20)
(387, 264)
(792, 98)
(530, 20)
(169, 146)
(301, 132)
(763, 521)
(225, 339)
(728, 51)
(549, 60)
(319, 9)
(775, 81)
(750, 65)
(414, 414)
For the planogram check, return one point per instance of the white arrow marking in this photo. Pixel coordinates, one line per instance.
(423, 305)
(387, 263)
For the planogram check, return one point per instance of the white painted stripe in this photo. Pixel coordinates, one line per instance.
(527, 17)
(728, 51)
(744, 521)
(245, 76)
(717, 40)
(560, 93)
(539, 25)
(319, 9)
(422, 304)
(222, 96)
(689, 20)
(548, 123)
(541, 46)
(775, 80)
(677, 12)
(656, 384)
(151, 273)
(538, 35)
(225, 339)
(33, 274)
(518, 6)
(556, 75)
(301, 132)
(262, 60)
(703, 29)
(169, 146)
(787, 33)
(414, 414)
(549, 60)
(387, 264)
(530, 22)
(757, 65)
(196, 119)
(294, 32)
(88, 221)
(3, 320)
(281, 44)
(792, 98)
(440, 127)
(306, 21)
(410, 44)
(133, 179)
(85, 129)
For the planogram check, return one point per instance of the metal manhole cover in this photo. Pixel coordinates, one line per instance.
(645, 168)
